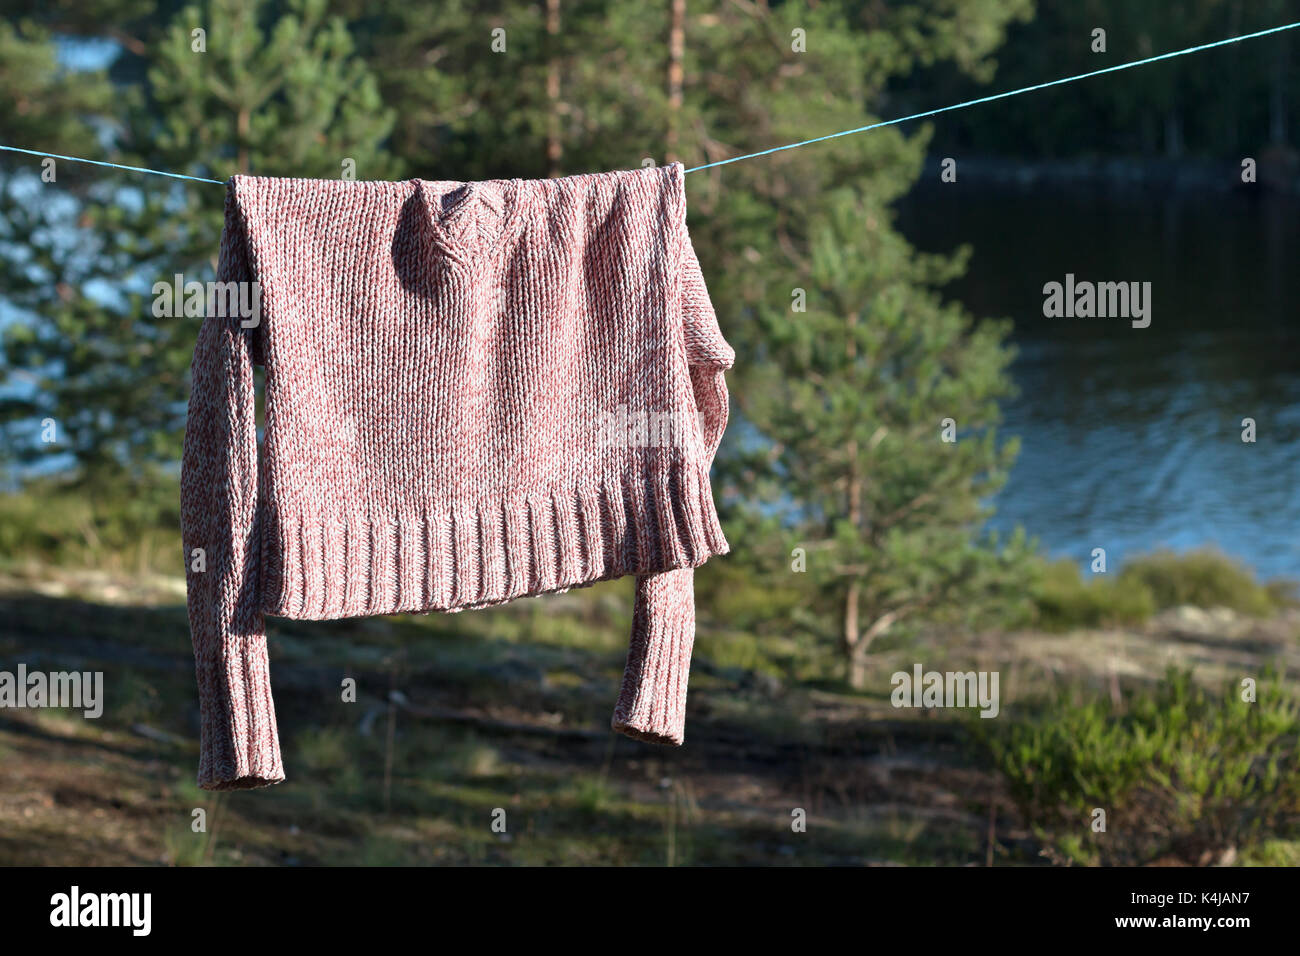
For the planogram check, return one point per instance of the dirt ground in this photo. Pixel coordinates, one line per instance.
(483, 729)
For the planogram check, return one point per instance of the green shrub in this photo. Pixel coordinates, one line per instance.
(748, 598)
(1283, 592)
(1201, 578)
(1064, 600)
(1179, 770)
(108, 525)
(325, 749)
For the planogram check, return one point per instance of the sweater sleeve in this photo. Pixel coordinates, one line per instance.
(652, 703)
(238, 746)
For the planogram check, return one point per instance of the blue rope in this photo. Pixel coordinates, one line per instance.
(96, 162)
(806, 142)
(999, 96)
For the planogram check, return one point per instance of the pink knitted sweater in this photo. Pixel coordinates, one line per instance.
(473, 392)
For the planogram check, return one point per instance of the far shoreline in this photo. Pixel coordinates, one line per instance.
(1277, 173)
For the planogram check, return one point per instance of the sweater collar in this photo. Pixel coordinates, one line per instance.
(472, 220)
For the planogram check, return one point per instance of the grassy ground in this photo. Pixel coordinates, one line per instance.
(508, 710)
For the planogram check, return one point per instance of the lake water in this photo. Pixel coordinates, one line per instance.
(1131, 438)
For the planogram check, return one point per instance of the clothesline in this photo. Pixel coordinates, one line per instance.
(807, 142)
(98, 162)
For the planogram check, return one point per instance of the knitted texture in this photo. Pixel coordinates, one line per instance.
(473, 392)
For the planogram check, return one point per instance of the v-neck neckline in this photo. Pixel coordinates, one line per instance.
(460, 213)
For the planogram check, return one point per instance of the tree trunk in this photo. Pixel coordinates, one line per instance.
(1173, 133)
(858, 651)
(554, 150)
(1277, 102)
(852, 639)
(243, 122)
(1231, 127)
(676, 50)
(853, 502)
(858, 671)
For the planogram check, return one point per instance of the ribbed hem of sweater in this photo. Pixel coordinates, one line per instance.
(646, 518)
(239, 742)
(652, 703)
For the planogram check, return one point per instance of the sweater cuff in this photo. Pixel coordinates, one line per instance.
(652, 703)
(239, 746)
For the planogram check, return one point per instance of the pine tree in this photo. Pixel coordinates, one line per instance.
(520, 88)
(254, 92)
(843, 403)
(49, 107)
(881, 402)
